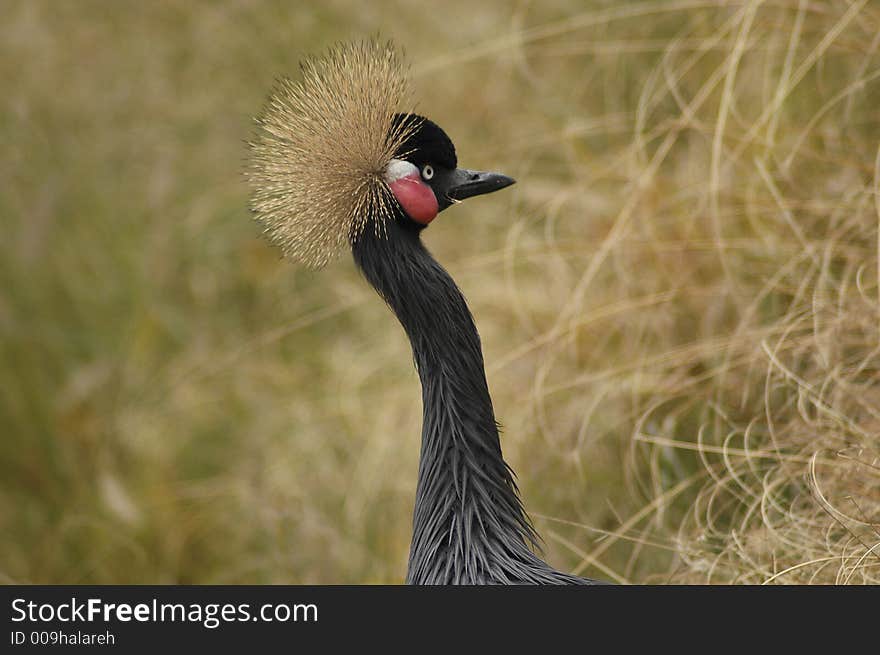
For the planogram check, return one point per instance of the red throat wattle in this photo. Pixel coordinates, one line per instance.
(413, 194)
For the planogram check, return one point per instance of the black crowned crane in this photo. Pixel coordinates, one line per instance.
(337, 161)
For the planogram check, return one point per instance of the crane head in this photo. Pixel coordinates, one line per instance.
(424, 175)
(333, 153)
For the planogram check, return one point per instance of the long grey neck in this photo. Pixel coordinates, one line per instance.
(469, 525)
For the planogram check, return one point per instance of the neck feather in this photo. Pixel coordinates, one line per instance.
(469, 524)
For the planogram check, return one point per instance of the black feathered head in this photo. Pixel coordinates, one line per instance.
(334, 152)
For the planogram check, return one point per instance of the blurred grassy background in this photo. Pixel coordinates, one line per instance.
(678, 301)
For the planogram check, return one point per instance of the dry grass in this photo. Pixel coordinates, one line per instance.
(679, 301)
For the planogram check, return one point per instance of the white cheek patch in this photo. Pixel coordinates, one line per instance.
(398, 168)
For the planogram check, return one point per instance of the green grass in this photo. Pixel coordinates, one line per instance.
(678, 301)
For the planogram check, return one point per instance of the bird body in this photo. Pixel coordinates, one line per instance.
(469, 525)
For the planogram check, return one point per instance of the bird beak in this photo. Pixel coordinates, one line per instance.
(466, 183)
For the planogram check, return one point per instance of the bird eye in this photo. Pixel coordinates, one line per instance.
(427, 171)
